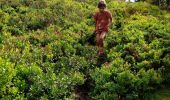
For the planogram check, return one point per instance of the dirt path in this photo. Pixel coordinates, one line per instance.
(82, 91)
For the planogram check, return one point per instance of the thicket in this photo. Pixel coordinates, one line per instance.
(46, 50)
(163, 4)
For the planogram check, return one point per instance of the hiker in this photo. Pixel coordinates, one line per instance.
(103, 19)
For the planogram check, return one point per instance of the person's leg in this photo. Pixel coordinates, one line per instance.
(101, 39)
(98, 43)
(98, 40)
(101, 42)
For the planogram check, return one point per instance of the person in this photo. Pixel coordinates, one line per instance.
(103, 19)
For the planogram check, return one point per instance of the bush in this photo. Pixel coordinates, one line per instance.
(48, 50)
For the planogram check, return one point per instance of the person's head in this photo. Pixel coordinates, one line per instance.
(101, 6)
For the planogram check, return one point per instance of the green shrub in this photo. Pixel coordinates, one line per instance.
(48, 50)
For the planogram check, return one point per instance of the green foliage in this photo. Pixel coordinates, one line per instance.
(47, 49)
(118, 80)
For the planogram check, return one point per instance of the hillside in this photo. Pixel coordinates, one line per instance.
(47, 51)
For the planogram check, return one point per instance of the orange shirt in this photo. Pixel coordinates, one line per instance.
(102, 21)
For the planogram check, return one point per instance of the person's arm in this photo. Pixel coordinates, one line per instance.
(110, 19)
(95, 17)
(95, 20)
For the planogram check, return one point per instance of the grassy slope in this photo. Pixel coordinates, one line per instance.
(35, 28)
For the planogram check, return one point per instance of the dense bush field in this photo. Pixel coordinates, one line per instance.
(46, 50)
